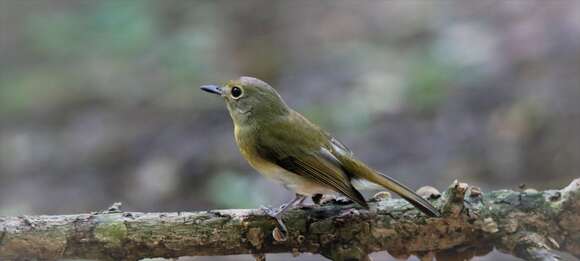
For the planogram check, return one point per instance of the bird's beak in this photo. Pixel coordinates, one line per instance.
(212, 89)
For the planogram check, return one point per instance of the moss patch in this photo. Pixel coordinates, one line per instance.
(112, 234)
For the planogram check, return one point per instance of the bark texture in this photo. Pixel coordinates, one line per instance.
(528, 224)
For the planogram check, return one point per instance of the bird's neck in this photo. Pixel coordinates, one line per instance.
(259, 117)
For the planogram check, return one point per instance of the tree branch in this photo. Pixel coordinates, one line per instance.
(528, 224)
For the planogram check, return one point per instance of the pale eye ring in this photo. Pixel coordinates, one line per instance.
(236, 92)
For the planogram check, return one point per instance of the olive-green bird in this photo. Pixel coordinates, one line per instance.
(284, 146)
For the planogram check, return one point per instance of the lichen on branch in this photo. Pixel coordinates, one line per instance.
(528, 224)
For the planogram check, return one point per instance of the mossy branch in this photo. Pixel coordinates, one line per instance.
(528, 224)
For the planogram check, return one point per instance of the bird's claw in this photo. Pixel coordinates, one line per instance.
(270, 211)
(281, 232)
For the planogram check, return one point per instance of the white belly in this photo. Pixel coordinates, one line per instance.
(292, 181)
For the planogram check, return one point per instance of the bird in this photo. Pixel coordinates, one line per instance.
(286, 147)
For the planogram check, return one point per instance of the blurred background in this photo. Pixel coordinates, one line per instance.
(99, 100)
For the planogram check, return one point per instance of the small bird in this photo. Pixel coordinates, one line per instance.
(286, 147)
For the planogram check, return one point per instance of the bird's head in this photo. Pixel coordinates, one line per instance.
(249, 99)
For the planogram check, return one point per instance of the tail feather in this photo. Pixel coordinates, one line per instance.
(360, 171)
(406, 193)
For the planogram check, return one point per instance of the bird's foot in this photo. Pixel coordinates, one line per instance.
(280, 233)
(272, 212)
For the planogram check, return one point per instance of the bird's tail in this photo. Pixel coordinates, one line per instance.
(360, 171)
(403, 191)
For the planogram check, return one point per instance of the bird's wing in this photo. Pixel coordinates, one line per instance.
(321, 171)
(304, 154)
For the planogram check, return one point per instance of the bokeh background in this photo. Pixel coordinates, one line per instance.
(99, 100)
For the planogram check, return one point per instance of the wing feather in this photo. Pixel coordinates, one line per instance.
(323, 172)
(307, 152)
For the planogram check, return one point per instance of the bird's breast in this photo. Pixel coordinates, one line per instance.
(272, 171)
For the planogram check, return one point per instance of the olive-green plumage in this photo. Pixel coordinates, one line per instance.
(286, 147)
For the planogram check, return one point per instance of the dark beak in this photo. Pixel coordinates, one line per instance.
(212, 89)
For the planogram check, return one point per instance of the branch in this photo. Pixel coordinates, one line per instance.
(527, 224)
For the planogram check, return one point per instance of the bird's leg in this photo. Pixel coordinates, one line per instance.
(300, 203)
(277, 214)
(297, 200)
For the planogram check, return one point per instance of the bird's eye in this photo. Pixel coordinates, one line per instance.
(236, 92)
